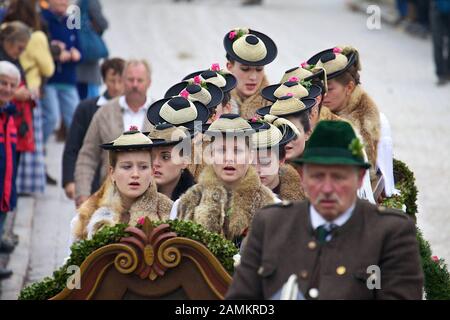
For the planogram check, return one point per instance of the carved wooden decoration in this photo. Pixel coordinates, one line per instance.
(152, 263)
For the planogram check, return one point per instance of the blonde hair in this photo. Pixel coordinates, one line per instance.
(14, 31)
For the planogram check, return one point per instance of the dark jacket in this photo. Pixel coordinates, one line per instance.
(80, 123)
(57, 26)
(186, 181)
(282, 242)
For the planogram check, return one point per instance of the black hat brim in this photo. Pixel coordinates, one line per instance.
(231, 81)
(165, 143)
(268, 92)
(271, 48)
(110, 147)
(154, 117)
(288, 135)
(351, 61)
(215, 91)
(309, 103)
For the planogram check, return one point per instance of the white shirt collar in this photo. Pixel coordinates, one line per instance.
(124, 105)
(102, 100)
(317, 220)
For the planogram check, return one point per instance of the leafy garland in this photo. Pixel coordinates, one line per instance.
(223, 249)
(437, 276)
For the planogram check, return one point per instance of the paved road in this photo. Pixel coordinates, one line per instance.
(180, 38)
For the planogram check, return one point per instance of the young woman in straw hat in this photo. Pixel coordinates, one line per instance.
(295, 109)
(226, 82)
(317, 77)
(271, 136)
(345, 96)
(188, 111)
(347, 99)
(228, 191)
(248, 51)
(169, 162)
(128, 193)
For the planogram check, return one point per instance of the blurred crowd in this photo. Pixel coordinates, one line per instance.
(44, 73)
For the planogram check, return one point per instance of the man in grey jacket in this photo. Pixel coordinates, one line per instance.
(111, 121)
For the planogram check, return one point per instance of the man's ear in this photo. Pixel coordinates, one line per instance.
(111, 170)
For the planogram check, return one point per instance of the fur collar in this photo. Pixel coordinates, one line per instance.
(326, 114)
(152, 204)
(208, 203)
(290, 185)
(247, 108)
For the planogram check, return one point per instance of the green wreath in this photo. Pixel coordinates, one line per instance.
(223, 249)
(437, 277)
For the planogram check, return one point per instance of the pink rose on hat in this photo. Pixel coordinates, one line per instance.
(215, 67)
(197, 79)
(184, 93)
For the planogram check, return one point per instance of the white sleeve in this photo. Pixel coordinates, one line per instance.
(103, 216)
(174, 211)
(366, 192)
(72, 239)
(385, 156)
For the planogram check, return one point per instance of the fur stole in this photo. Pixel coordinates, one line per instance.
(105, 208)
(208, 202)
(247, 108)
(362, 112)
(290, 185)
(326, 114)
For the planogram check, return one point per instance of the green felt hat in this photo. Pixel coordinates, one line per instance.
(334, 142)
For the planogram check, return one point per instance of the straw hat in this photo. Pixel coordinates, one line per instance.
(249, 47)
(129, 141)
(230, 124)
(197, 90)
(298, 88)
(306, 72)
(215, 75)
(336, 60)
(166, 134)
(272, 131)
(178, 111)
(286, 106)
